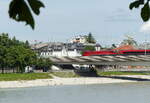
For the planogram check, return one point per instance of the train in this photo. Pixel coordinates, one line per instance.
(116, 52)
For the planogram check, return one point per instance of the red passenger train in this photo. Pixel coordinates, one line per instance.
(116, 52)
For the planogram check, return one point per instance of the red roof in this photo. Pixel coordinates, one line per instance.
(125, 47)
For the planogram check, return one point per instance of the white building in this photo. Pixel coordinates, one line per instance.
(79, 39)
(62, 49)
(97, 47)
(61, 53)
(57, 49)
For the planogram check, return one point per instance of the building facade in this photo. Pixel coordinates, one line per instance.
(79, 39)
(57, 49)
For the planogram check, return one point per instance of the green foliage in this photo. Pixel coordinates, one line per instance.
(145, 11)
(29, 76)
(113, 46)
(113, 73)
(89, 48)
(20, 10)
(43, 63)
(35, 6)
(129, 41)
(15, 54)
(90, 38)
(136, 4)
(65, 74)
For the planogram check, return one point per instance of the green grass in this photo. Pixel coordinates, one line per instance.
(33, 76)
(72, 74)
(65, 74)
(122, 73)
(25, 76)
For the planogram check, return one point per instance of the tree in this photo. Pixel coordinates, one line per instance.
(129, 41)
(89, 48)
(3, 51)
(113, 46)
(24, 58)
(90, 38)
(15, 53)
(43, 63)
(145, 11)
(21, 10)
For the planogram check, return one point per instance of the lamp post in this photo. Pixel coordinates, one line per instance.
(145, 47)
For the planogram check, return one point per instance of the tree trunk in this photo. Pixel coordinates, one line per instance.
(13, 70)
(2, 70)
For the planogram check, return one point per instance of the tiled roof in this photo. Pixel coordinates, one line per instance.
(125, 47)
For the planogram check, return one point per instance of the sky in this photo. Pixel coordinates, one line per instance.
(108, 20)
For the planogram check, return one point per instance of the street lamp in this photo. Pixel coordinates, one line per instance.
(145, 47)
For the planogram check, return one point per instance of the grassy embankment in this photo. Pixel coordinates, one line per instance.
(122, 73)
(33, 76)
(25, 76)
(65, 74)
(72, 74)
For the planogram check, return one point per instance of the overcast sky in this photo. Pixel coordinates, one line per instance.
(108, 20)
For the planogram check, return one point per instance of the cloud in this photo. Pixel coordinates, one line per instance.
(145, 27)
(120, 15)
(119, 18)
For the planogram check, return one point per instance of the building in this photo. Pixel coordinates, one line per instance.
(145, 45)
(58, 49)
(79, 39)
(98, 47)
(125, 47)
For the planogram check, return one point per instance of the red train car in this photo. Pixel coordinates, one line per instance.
(114, 52)
(92, 53)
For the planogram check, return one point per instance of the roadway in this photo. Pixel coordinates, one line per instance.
(133, 60)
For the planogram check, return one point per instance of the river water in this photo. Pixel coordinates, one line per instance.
(103, 93)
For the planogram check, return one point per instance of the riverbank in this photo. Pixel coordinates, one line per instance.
(61, 81)
(68, 78)
(23, 76)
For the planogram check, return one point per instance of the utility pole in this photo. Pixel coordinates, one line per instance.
(145, 46)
